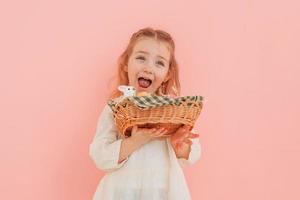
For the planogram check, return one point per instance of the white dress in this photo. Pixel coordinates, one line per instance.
(152, 172)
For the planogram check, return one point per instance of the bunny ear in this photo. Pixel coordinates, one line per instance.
(122, 88)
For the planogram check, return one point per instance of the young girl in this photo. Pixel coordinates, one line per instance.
(146, 165)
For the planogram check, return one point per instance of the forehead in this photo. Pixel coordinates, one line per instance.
(153, 47)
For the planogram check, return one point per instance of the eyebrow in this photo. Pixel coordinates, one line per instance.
(145, 52)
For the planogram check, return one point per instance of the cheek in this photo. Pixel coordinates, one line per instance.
(161, 74)
(133, 66)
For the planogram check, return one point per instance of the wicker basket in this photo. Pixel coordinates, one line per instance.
(155, 111)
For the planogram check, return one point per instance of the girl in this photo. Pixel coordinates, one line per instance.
(146, 165)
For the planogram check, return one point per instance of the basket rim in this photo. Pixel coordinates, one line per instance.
(150, 101)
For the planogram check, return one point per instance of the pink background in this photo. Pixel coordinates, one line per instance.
(57, 59)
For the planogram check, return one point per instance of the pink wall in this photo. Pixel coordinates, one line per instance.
(58, 57)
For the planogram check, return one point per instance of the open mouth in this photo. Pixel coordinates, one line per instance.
(144, 82)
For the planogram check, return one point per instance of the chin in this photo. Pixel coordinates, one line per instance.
(141, 89)
(145, 90)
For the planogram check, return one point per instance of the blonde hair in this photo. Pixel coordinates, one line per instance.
(172, 85)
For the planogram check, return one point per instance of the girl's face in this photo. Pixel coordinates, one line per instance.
(148, 65)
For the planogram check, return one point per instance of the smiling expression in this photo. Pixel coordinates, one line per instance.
(148, 65)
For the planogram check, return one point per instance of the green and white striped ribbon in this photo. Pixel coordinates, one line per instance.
(145, 102)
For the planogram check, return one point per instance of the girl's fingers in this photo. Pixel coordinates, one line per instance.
(185, 135)
(134, 129)
(188, 141)
(189, 134)
(159, 132)
(179, 134)
(155, 131)
(148, 130)
(184, 128)
(192, 135)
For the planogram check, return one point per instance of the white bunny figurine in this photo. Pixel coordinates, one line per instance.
(128, 91)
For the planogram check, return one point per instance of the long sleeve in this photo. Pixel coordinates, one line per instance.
(195, 153)
(105, 147)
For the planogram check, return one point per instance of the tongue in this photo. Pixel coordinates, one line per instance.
(144, 83)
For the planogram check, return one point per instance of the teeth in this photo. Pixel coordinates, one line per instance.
(145, 79)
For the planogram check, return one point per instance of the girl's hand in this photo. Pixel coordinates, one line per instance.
(145, 135)
(181, 141)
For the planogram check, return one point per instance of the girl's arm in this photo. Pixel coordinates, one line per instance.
(110, 153)
(194, 154)
(188, 150)
(105, 146)
(139, 137)
(184, 152)
(128, 146)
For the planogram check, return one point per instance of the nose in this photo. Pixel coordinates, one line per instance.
(148, 68)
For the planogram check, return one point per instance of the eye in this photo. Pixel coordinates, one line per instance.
(161, 63)
(140, 58)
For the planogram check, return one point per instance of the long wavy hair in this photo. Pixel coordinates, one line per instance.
(172, 85)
